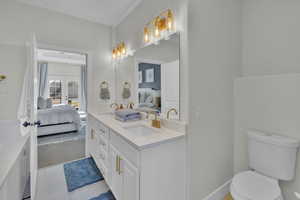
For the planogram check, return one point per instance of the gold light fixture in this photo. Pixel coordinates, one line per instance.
(119, 51)
(159, 27)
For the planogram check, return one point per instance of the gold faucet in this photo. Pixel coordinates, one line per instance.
(155, 122)
(115, 106)
(171, 110)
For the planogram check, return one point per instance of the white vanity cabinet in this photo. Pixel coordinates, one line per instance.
(155, 172)
(14, 184)
(124, 174)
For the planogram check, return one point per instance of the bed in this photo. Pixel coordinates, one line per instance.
(149, 99)
(58, 119)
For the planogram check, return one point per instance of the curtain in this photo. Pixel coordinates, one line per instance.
(83, 87)
(43, 78)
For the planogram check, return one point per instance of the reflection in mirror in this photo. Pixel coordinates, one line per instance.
(153, 74)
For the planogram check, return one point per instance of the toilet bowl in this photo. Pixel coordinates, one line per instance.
(250, 185)
(271, 158)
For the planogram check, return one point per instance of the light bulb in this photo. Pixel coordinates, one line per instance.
(118, 51)
(157, 32)
(157, 24)
(170, 20)
(146, 35)
(123, 48)
(114, 54)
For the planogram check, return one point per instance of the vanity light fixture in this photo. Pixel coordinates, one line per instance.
(160, 27)
(121, 51)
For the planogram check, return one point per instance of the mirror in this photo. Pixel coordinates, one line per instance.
(150, 78)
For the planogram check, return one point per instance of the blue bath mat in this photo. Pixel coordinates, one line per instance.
(106, 196)
(81, 173)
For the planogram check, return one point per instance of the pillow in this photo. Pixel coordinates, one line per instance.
(49, 103)
(42, 104)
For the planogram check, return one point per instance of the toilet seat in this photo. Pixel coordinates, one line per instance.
(250, 185)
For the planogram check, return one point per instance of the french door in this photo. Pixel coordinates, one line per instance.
(65, 90)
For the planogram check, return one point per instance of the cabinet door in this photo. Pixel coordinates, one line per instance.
(14, 179)
(116, 176)
(130, 181)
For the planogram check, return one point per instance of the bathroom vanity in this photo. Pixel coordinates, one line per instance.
(137, 161)
(14, 161)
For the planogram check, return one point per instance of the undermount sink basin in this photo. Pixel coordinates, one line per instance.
(141, 131)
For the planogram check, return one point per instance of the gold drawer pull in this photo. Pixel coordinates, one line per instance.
(120, 159)
(117, 163)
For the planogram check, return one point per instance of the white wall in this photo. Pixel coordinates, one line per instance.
(62, 69)
(214, 62)
(12, 64)
(17, 21)
(271, 46)
(271, 104)
(271, 43)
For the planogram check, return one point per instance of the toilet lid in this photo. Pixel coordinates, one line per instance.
(253, 186)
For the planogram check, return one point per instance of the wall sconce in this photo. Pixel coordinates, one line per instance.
(161, 27)
(2, 77)
(121, 52)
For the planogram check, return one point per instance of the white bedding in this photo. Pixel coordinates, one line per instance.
(58, 115)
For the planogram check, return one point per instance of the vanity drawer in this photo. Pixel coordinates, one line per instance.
(103, 143)
(129, 152)
(102, 130)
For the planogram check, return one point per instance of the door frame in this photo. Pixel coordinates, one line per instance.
(89, 61)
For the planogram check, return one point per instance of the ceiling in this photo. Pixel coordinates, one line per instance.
(108, 12)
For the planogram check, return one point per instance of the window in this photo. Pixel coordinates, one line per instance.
(55, 91)
(73, 90)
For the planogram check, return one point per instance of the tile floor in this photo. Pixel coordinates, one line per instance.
(52, 186)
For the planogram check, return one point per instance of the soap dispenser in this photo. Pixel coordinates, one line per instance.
(156, 121)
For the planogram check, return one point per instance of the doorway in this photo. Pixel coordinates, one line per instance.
(62, 105)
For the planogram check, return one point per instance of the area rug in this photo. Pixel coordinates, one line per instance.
(81, 173)
(105, 196)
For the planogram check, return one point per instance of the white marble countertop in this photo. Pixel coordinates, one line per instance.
(11, 145)
(139, 142)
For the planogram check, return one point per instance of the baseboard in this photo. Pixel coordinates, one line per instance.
(220, 192)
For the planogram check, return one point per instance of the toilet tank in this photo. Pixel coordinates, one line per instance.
(272, 155)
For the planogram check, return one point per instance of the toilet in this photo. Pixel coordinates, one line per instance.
(271, 158)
